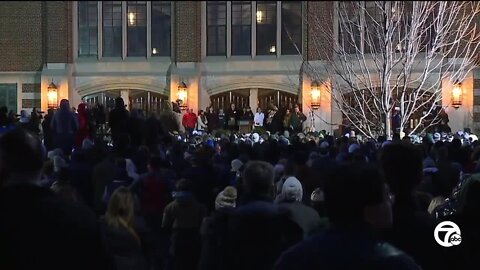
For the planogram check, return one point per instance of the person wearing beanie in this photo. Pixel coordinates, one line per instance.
(291, 199)
(256, 231)
(225, 203)
(226, 198)
(183, 218)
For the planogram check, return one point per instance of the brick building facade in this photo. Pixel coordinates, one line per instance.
(72, 44)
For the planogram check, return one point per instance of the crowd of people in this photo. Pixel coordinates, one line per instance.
(159, 197)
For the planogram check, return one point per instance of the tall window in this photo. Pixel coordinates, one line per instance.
(216, 27)
(291, 27)
(266, 17)
(87, 28)
(241, 28)
(112, 28)
(374, 26)
(161, 28)
(350, 28)
(137, 28)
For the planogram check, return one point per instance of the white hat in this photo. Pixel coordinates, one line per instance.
(436, 137)
(236, 165)
(256, 137)
(292, 189)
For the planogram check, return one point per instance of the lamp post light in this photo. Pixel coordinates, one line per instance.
(457, 94)
(52, 96)
(315, 92)
(182, 95)
(315, 102)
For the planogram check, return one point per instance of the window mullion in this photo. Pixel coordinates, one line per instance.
(149, 29)
(229, 29)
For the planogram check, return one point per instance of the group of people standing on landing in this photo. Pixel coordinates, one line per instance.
(275, 120)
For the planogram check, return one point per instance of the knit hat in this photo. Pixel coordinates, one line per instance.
(352, 148)
(292, 189)
(87, 144)
(226, 198)
(436, 137)
(236, 165)
(255, 137)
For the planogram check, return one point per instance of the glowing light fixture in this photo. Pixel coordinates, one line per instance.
(52, 96)
(259, 16)
(457, 94)
(182, 95)
(131, 18)
(315, 92)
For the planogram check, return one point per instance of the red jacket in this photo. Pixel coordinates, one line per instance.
(189, 120)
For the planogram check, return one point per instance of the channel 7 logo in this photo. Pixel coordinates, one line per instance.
(450, 232)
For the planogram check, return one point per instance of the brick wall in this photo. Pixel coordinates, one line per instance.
(319, 14)
(59, 32)
(21, 36)
(187, 30)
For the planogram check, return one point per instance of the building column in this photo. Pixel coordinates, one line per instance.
(125, 94)
(253, 99)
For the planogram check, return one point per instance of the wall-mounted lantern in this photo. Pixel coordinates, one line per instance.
(457, 94)
(315, 92)
(52, 96)
(182, 95)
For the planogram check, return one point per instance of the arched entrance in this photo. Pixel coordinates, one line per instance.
(242, 98)
(147, 101)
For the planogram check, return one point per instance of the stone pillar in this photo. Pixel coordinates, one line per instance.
(125, 94)
(253, 99)
(476, 102)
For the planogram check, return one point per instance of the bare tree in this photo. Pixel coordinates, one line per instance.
(387, 55)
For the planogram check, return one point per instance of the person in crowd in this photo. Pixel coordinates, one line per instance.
(259, 118)
(35, 119)
(257, 231)
(121, 237)
(286, 121)
(247, 114)
(232, 116)
(212, 120)
(358, 206)
(154, 132)
(121, 178)
(137, 128)
(277, 120)
(179, 116)
(64, 127)
(35, 222)
(225, 202)
(222, 120)
(189, 121)
(154, 190)
(83, 125)
(47, 131)
(304, 216)
(297, 119)
(403, 169)
(118, 121)
(4, 121)
(202, 122)
(183, 218)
